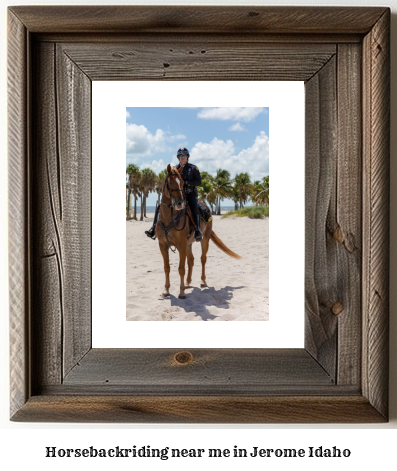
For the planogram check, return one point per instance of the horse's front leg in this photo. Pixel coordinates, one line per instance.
(166, 258)
(182, 261)
(204, 250)
(190, 263)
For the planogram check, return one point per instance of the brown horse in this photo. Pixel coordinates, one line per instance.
(173, 228)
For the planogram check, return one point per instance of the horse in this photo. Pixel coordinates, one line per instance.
(173, 229)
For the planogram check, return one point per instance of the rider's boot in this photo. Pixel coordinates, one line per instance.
(152, 231)
(198, 235)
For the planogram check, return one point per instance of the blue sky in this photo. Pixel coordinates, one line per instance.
(235, 139)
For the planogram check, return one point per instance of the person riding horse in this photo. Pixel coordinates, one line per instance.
(192, 179)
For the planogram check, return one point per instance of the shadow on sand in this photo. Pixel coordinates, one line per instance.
(198, 300)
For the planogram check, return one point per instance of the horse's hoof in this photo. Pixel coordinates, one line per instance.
(165, 295)
(203, 285)
(182, 296)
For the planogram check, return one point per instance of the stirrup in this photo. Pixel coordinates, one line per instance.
(198, 236)
(151, 233)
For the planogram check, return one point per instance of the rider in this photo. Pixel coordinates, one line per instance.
(192, 178)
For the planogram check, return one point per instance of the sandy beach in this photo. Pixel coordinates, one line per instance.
(238, 289)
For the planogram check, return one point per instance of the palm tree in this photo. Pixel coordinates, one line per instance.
(211, 198)
(134, 176)
(127, 186)
(257, 192)
(206, 190)
(244, 186)
(235, 196)
(160, 183)
(260, 194)
(207, 176)
(266, 189)
(128, 199)
(222, 186)
(148, 184)
(142, 202)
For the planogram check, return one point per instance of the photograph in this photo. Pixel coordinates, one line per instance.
(197, 213)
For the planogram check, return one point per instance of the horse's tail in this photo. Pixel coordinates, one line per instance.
(217, 241)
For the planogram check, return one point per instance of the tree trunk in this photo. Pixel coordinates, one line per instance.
(129, 204)
(135, 198)
(141, 218)
(218, 205)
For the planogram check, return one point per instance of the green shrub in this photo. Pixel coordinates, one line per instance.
(253, 212)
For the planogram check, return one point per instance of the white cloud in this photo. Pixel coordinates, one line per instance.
(210, 156)
(237, 127)
(234, 114)
(140, 142)
(220, 154)
(127, 114)
(156, 165)
(255, 159)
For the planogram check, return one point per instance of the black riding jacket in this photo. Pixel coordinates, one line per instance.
(190, 174)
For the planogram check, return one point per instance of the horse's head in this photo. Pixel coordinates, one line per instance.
(173, 188)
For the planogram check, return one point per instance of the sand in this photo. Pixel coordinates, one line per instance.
(238, 289)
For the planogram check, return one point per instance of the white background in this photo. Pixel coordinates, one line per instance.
(372, 446)
(286, 110)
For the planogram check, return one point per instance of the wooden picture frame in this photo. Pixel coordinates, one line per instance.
(342, 54)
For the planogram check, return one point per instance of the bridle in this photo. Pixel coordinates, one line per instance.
(167, 229)
(170, 190)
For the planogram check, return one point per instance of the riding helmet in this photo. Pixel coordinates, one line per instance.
(182, 151)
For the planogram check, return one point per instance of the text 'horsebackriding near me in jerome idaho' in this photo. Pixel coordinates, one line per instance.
(167, 452)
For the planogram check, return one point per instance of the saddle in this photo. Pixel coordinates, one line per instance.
(205, 214)
(204, 211)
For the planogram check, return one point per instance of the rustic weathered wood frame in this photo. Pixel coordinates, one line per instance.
(342, 54)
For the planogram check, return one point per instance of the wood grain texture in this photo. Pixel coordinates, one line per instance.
(243, 37)
(321, 261)
(182, 59)
(376, 92)
(347, 226)
(18, 212)
(338, 378)
(48, 249)
(62, 206)
(157, 370)
(199, 409)
(198, 19)
(73, 90)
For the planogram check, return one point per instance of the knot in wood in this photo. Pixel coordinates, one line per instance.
(338, 235)
(337, 308)
(183, 358)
